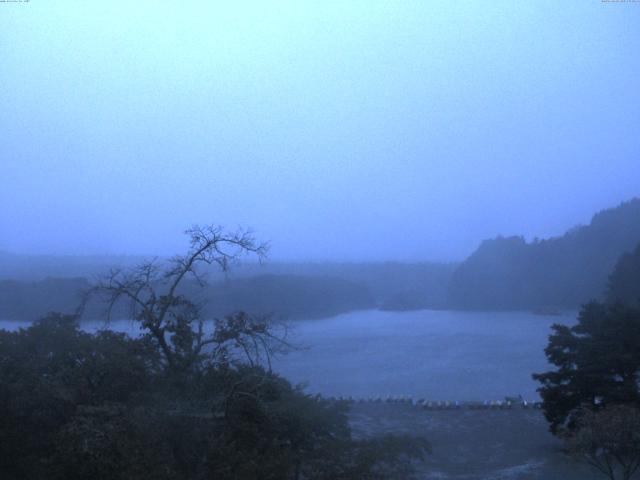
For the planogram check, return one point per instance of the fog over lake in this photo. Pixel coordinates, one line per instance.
(297, 216)
(433, 354)
(439, 355)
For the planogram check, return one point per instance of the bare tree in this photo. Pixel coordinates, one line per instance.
(152, 293)
(608, 440)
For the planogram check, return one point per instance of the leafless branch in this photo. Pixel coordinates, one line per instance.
(151, 292)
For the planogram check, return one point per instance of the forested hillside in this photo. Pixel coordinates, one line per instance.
(33, 300)
(503, 273)
(624, 282)
(563, 272)
(30, 286)
(284, 296)
(288, 296)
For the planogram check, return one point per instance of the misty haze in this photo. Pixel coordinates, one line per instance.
(328, 241)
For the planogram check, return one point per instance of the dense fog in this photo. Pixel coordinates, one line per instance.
(288, 240)
(345, 131)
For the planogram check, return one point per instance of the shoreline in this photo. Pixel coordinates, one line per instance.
(474, 445)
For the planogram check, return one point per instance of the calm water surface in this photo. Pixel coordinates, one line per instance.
(425, 354)
(440, 355)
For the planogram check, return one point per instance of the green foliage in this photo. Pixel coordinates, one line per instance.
(598, 364)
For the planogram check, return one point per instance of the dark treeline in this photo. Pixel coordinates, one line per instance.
(283, 296)
(32, 300)
(33, 268)
(624, 282)
(502, 274)
(287, 290)
(591, 397)
(397, 285)
(177, 402)
(561, 272)
(289, 296)
(106, 406)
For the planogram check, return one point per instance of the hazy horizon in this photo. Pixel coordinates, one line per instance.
(269, 259)
(340, 131)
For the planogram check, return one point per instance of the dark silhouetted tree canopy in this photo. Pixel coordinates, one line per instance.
(608, 440)
(597, 364)
(104, 406)
(624, 282)
(566, 271)
(192, 398)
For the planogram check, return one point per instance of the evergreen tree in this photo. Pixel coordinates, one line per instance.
(598, 364)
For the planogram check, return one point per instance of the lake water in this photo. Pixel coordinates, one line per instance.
(440, 355)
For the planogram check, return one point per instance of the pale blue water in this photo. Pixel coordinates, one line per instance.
(440, 355)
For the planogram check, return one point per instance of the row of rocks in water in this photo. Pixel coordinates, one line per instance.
(506, 404)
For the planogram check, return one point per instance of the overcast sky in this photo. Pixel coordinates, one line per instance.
(336, 130)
